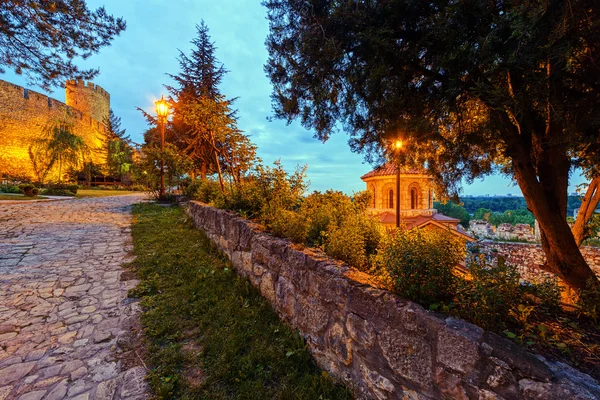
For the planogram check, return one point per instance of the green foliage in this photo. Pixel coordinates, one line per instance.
(547, 294)
(29, 189)
(147, 171)
(513, 217)
(488, 297)
(331, 220)
(501, 204)
(420, 264)
(592, 230)
(200, 316)
(44, 47)
(589, 300)
(119, 159)
(207, 191)
(66, 147)
(9, 188)
(288, 224)
(453, 210)
(59, 189)
(346, 242)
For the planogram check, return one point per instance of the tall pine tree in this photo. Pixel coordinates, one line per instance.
(203, 121)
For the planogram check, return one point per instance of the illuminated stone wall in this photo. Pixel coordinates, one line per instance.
(382, 346)
(25, 114)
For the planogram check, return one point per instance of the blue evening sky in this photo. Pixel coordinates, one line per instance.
(134, 69)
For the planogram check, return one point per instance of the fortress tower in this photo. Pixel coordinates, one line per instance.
(88, 98)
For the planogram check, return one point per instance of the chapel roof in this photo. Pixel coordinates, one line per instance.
(390, 169)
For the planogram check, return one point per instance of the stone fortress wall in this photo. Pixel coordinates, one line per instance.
(25, 114)
(380, 345)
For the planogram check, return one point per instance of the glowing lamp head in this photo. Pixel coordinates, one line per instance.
(162, 108)
(398, 144)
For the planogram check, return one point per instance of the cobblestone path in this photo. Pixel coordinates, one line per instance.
(65, 321)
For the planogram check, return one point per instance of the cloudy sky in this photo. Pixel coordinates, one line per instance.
(134, 71)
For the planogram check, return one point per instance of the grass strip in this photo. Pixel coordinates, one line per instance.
(209, 333)
(20, 197)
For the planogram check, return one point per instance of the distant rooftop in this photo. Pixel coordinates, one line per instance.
(390, 169)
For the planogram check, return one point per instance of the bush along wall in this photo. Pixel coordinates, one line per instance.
(375, 342)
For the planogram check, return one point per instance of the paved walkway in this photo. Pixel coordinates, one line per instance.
(64, 316)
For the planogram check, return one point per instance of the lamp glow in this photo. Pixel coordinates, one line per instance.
(162, 107)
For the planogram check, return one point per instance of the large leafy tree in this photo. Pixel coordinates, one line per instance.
(472, 86)
(41, 39)
(41, 157)
(66, 147)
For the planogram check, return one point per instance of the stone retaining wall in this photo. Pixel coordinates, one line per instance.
(380, 345)
(529, 257)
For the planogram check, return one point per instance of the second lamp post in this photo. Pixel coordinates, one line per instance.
(162, 111)
(397, 148)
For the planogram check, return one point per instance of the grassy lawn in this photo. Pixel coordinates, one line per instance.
(19, 197)
(209, 333)
(101, 193)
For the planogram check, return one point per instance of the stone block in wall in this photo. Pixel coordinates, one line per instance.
(285, 298)
(329, 287)
(524, 363)
(361, 331)
(458, 345)
(409, 356)
(267, 286)
(232, 232)
(311, 315)
(246, 234)
(377, 384)
(339, 343)
(260, 250)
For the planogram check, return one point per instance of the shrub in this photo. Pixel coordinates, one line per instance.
(61, 189)
(489, 295)
(346, 242)
(547, 294)
(289, 224)
(589, 300)
(420, 264)
(10, 189)
(29, 189)
(208, 191)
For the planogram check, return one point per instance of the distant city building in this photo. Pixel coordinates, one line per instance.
(416, 200)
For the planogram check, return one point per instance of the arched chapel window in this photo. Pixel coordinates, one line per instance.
(373, 200)
(391, 198)
(413, 198)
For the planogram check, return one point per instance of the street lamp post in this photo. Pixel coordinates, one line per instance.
(162, 111)
(397, 148)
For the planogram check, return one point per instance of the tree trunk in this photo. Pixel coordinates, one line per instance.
(562, 252)
(59, 168)
(588, 206)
